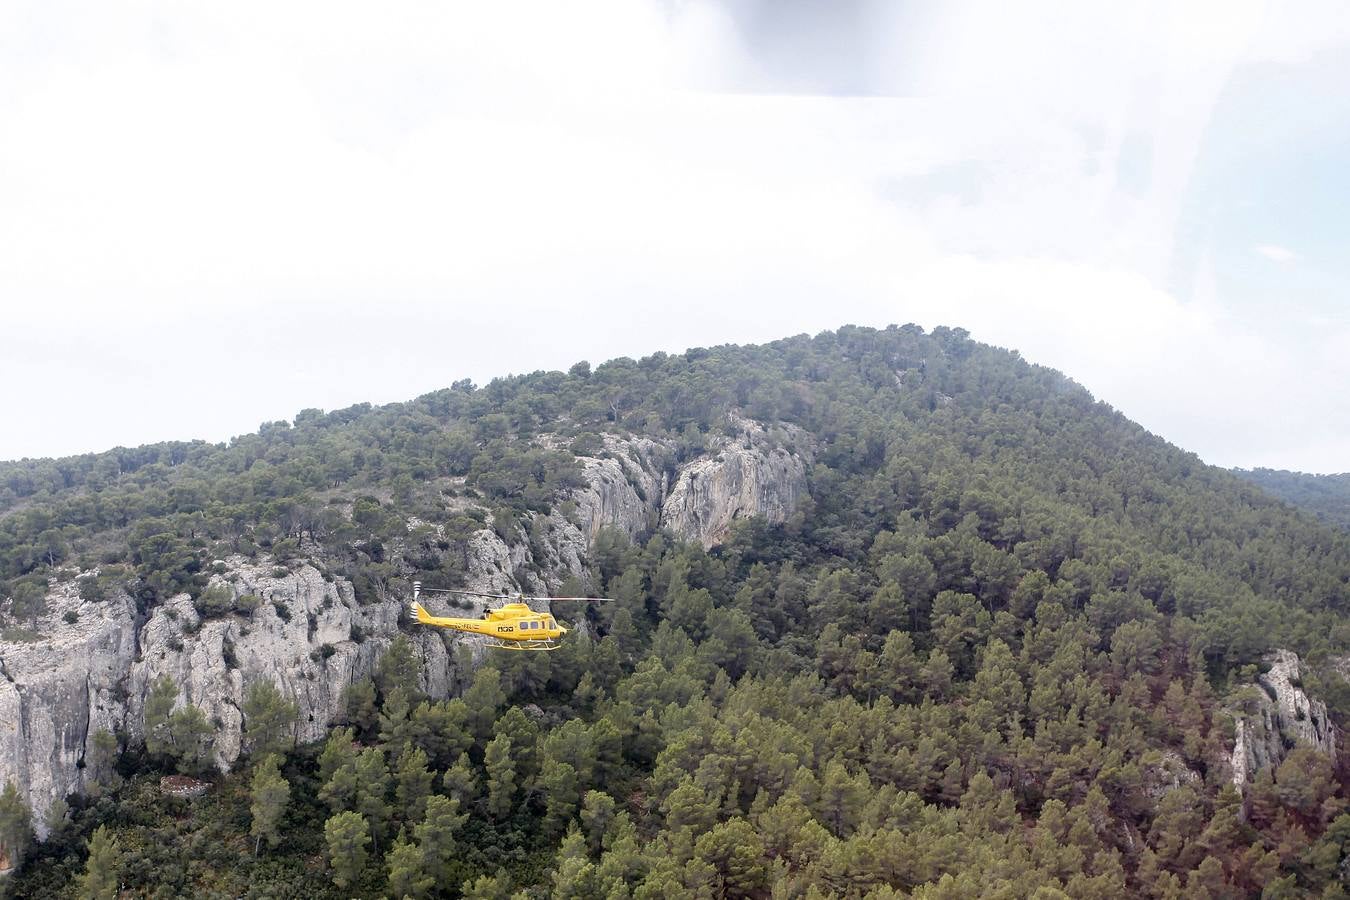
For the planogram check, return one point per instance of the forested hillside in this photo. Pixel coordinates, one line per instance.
(1002, 646)
(1325, 496)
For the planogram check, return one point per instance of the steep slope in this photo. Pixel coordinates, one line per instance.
(896, 611)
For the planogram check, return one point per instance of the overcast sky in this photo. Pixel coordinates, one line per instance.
(215, 215)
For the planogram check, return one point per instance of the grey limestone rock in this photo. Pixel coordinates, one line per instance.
(1277, 717)
(310, 637)
(57, 691)
(746, 476)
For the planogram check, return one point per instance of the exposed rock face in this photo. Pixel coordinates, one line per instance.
(214, 662)
(624, 488)
(54, 693)
(746, 477)
(751, 474)
(311, 638)
(96, 673)
(1283, 717)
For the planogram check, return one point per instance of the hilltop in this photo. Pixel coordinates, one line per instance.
(896, 612)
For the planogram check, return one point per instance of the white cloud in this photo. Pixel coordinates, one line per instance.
(222, 217)
(1275, 253)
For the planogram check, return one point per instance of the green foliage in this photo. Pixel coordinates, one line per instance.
(407, 875)
(1325, 496)
(501, 777)
(269, 719)
(348, 839)
(399, 668)
(372, 792)
(16, 832)
(412, 783)
(436, 836)
(159, 705)
(271, 794)
(191, 740)
(216, 600)
(102, 868)
(990, 653)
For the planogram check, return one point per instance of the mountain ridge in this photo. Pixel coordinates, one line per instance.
(1013, 603)
(1325, 496)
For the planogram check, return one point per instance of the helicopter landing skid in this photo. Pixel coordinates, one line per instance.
(535, 644)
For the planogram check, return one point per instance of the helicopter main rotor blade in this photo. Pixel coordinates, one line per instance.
(429, 590)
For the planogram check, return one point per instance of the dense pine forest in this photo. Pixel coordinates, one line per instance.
(1325, 496)
(999, 649)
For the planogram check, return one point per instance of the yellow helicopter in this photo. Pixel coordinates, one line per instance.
(511, 626)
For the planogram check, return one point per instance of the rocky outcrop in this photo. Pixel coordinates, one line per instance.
(307, 635)
(57, 691)
(302, 638)
(749, 475)
(624, 487)
(1165, 771)
(754, 472)
(1277, 717)
(94, 662)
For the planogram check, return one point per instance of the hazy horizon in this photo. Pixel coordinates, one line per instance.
(594, 363)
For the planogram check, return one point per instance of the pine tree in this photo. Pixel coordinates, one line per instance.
(372, 792)
(841, 798)
(271, 794)
(361, 708)
(574, 875)
(597, 811)
(399, 669)
(16, 831)
(396, 723)
(407, 873)
(524, 734)
(439, 729)
(338, 751)
(103, 869)
(501, 777)
(734, 855)
(269, 720)
(488, 887)
(688, 806)
(340, 790)
(561, 792)
(436, 835)
(483, 699)
(100, 758)
(347, 836)
(192, 738)
(460, 782)
(412, 783)
(158, 707)
(57, 821)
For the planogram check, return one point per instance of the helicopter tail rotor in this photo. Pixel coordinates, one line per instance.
(418, 610)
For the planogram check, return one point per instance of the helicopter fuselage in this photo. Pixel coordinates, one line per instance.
(511, 622)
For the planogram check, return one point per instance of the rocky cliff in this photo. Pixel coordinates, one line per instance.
(57, 691)
(752, 474)
(1276, 717)
(93, 664)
